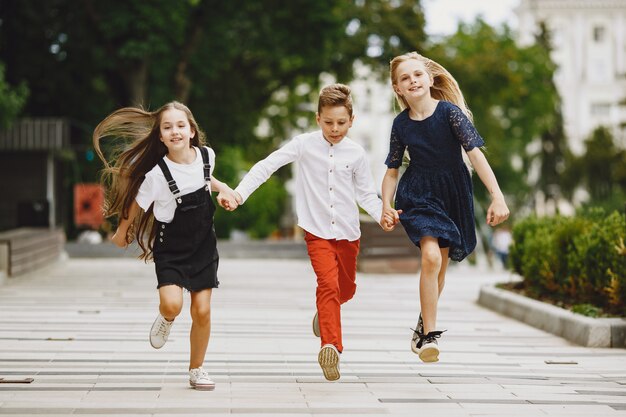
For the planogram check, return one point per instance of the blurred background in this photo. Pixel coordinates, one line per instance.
(545, 80)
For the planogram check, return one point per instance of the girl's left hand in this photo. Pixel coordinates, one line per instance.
(497, 212)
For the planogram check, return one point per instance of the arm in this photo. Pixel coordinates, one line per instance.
(262, 170)
(120, 237)
(226, 197)
(498, 210)
(365, 193)
(390, 182)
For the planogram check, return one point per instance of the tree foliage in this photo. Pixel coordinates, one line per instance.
(12, 100)
(601, 170)
(235, 64)
(510, 93)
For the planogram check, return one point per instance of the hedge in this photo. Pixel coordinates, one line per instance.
(573, 260)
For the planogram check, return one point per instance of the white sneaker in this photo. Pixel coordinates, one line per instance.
(316, 325)
(160, 331)
(199, 379)
(328, 359)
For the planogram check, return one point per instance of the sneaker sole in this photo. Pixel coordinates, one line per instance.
(202, 387)
(429, 353)
(316, 329)
(328, 359)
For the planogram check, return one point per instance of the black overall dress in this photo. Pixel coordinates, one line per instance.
(184, 250)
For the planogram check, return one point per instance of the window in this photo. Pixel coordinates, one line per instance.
(599, 33)
(600, 109)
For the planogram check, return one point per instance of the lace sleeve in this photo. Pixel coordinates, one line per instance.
(396, 150)
(464, 130)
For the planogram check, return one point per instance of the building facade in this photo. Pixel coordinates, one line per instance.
(589, 47)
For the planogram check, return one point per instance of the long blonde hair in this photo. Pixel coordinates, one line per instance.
(444, 88)
(444, 85)
(136, 150)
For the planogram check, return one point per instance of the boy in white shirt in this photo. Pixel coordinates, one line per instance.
(333, 172)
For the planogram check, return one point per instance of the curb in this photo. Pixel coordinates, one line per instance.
(582, 330)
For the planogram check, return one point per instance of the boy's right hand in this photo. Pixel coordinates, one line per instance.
(390, 218)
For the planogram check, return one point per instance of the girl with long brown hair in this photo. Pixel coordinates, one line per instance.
(159, 185)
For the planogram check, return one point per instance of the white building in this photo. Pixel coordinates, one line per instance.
(373, 102)
(589, 41)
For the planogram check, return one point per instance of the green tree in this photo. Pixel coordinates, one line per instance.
(235, 64)
(554, 153)
(12, 100)
(600, 170)
(510, 93)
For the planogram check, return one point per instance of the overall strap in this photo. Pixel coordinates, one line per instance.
(207, 165)
(168, 177)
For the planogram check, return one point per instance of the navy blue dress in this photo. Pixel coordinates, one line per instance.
(435, 192)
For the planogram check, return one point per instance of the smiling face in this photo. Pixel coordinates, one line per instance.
(176, 132)
(412, 81)
(335, 122)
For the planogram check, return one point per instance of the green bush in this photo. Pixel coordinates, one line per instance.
(260, 215)
(573, 260)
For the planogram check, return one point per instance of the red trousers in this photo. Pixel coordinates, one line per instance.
(334, 263)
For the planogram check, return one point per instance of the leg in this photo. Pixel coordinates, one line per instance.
(429, 281)
(170, 301)
(441, 278)
(170, 305)
(200, 326)
(347, 253)
(323, 255)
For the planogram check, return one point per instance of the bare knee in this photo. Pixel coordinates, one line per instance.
(170, 308)
(201, 315)
(431, 258)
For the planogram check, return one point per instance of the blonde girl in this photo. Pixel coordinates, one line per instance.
(434, 196)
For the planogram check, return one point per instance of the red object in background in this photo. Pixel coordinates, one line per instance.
(88, 201)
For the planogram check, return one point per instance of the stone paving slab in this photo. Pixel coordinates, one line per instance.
(80, 328)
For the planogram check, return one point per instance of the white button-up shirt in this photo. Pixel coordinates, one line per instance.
(330, 179)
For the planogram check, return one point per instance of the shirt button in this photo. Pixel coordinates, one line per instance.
(160, 240)
(331, 156)
(333, 222)
(162, 226)
(330, 170)
(331, 206)
(161, 233)
(331, 188)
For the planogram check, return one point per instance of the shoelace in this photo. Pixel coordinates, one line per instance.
(162, 328)
(201, 374)
(430, 337)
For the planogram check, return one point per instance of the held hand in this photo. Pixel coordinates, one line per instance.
(386, 225)
(227, 201)
(498, 212)
(390, 218)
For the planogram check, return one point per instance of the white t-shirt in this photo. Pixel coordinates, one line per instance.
(154, 189)
(330, 180)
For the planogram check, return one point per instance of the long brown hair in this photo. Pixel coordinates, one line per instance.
(136, 148)
(444, 86)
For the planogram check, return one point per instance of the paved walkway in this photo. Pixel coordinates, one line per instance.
(79, 328)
